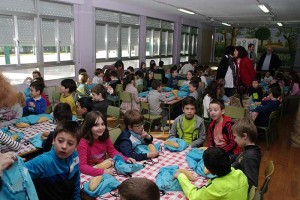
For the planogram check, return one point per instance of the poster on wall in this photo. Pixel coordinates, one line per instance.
(244, 42)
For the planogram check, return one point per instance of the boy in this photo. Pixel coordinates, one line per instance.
(268, 106)
(36, 104)
(155, 98)
(189, 126)
(138, 189)
(100, 103)
(134, 135)
(173, 81)
(99, 74)
(255, 91)
(68, 86)
(193, 88)
(62, 112)
(245, 134)
(55, 174)
(230, 184)
(130, 70)
(219, 130)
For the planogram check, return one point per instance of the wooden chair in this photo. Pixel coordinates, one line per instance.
(235, 112)
(55, 97)
(157, 76)
(114, 112)
(251, 193)
(266, 129)
(114, 134)
(268, 172)
(116, 99)
(148, 117)
(180, 82)
(127, 97)
(140, 88)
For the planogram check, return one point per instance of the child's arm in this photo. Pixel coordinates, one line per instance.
(40, 106)
(135, 96)
(84, 167)
(11, 144)
(229, 138)
(36, 167)
(77, 187)
(264, 108)
(127, 150)
(111, 151)
(173, 131)
(201, 136)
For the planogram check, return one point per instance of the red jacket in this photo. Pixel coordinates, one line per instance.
(231, 146)
(246, 71)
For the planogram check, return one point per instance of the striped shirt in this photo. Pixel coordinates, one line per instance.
(155, 98)
(8, 142)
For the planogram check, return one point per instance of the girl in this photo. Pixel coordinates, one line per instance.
(189, 76)
(95, 144)
(143, 67)
(294, 85)
(98, 76)
(100, 103)
(211, 92)
(148, 79)
(82, 86)
(129, 86)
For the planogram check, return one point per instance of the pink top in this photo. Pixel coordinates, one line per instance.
(125, 106)
(295, 89)
(92, 155)
(218, 136)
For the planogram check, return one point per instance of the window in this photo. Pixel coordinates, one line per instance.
(189, 41)
(21, 31)
(159, 40)
(117, 37)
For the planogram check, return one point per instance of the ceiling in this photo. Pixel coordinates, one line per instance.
(239, 13)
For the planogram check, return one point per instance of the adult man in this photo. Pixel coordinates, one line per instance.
(268, 61)
(251, 53)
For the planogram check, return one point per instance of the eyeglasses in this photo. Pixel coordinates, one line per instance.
(139, 125)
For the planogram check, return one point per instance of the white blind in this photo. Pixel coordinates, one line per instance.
(6, 31)
(154, 23)
(23, 6)
(129, 19)
(134, 41)
(100, 37)
(65, 33)
(167, 25)
(107, 16)
(56, 9)
(112, 38)
(170, 43)
(124, 41)
(26, 32)
(48, 33)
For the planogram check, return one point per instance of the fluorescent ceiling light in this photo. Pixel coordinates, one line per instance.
(263, 8)
(226, 24)
(279, 24)
(185, 11)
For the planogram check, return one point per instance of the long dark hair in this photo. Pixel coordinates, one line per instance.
(86, 129)
(212, 90)
(127, 80)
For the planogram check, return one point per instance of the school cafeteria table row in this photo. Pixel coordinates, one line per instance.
(150, 171)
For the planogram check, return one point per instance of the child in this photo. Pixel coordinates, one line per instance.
(139, 78)
(98, 76)
(83, 106)
(134, 135)
(56, 173)
(211, 92)
(62, 112)
(240, 99)
(161, 71)
(229, 183)
(128, 86)
(255, 91)
(36, 104)
(219, 130)
(193, 88)
(294, 85)
(189, 126)
(138, 189)
(268, 78)
(155, 98)
(148, 80)
(173, 81)
(100, 103)
(245, 134)
(114, 80)
(82, 87)
(130, 70)
(35, 74)
(189, 77)
(267, 106)
(95, 144)
(67, 87)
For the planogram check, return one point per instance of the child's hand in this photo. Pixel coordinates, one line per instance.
(144, 134)
(176, 174)
(31, 104)
(153, 154)
(109, 171)
(131, 160)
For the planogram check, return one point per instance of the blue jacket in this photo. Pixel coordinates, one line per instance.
(264, 111)
(124, 144)
(173, 82)
(55, 178)
(40, 106)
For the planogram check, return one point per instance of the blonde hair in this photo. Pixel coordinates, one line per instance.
(9, 94)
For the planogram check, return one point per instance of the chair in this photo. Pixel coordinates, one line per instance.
(157, 76)
(266, 129)
(48, 109)
(148, 117)
(114, 112)
(116, 99)
(251, 193)
(127, 97)
(268, 172)
(180, 82)
(114, 134)
(140, 88)
(55, 97)
(235, 112)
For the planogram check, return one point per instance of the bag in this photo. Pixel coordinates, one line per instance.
(33, 119)
(142, 148)
(107, 184)
(184, 88)
(17, 183)
(167, 89)
(165, 179)
(6, 131)
(194, 158)
(182, 145)
(37, 140)
(125, 168)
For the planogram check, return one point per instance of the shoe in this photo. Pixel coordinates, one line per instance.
(156, 127)
(165, 128)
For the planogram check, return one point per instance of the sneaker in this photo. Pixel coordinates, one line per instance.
(165, 128)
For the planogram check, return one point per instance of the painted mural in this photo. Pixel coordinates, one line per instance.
(282, 40)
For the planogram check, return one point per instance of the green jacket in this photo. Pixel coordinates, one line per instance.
(233, 186)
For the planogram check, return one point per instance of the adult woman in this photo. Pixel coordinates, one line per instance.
(246, 72)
